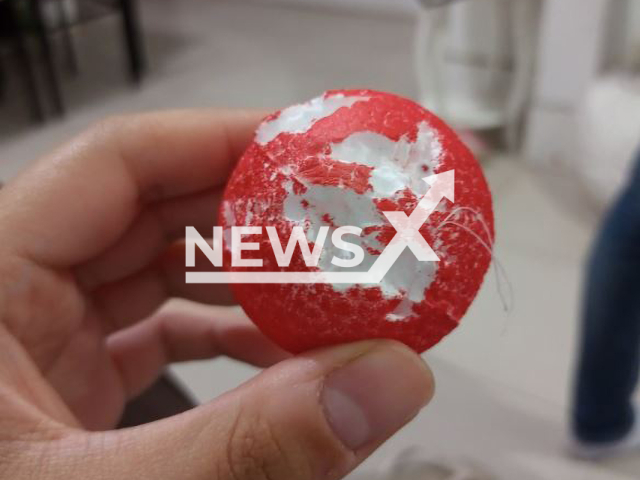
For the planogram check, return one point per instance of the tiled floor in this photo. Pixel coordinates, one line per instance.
(503, 378)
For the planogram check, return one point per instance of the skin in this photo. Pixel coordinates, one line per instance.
(90, 256)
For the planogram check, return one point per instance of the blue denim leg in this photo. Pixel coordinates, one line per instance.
(610, 352)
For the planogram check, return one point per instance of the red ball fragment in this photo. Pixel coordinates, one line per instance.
(342, 159)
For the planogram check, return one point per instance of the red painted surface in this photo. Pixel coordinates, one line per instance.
(300, 317)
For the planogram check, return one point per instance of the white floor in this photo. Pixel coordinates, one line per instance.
(503, 378)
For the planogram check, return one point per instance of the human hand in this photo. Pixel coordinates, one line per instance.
(90, 249)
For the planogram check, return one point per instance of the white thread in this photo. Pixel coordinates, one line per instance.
(500, 273)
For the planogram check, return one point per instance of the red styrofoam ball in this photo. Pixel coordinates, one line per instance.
(342, 159)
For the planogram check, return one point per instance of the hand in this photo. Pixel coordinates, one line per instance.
(90, 248)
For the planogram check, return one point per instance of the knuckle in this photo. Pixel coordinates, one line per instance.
(258, 450)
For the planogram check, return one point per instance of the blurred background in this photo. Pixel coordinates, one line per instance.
(547, 92)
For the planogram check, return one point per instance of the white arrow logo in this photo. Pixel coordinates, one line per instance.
(407, 236)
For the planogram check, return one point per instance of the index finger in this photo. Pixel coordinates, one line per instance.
(74, 203)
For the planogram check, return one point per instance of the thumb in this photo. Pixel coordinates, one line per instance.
(314, 416)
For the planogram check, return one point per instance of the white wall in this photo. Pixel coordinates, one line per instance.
(571, 41)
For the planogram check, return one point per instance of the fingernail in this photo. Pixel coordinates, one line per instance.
(373, 396)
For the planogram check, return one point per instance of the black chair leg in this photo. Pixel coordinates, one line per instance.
(47, 59)
(27, 71)
(3, 81)
(133, 39)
